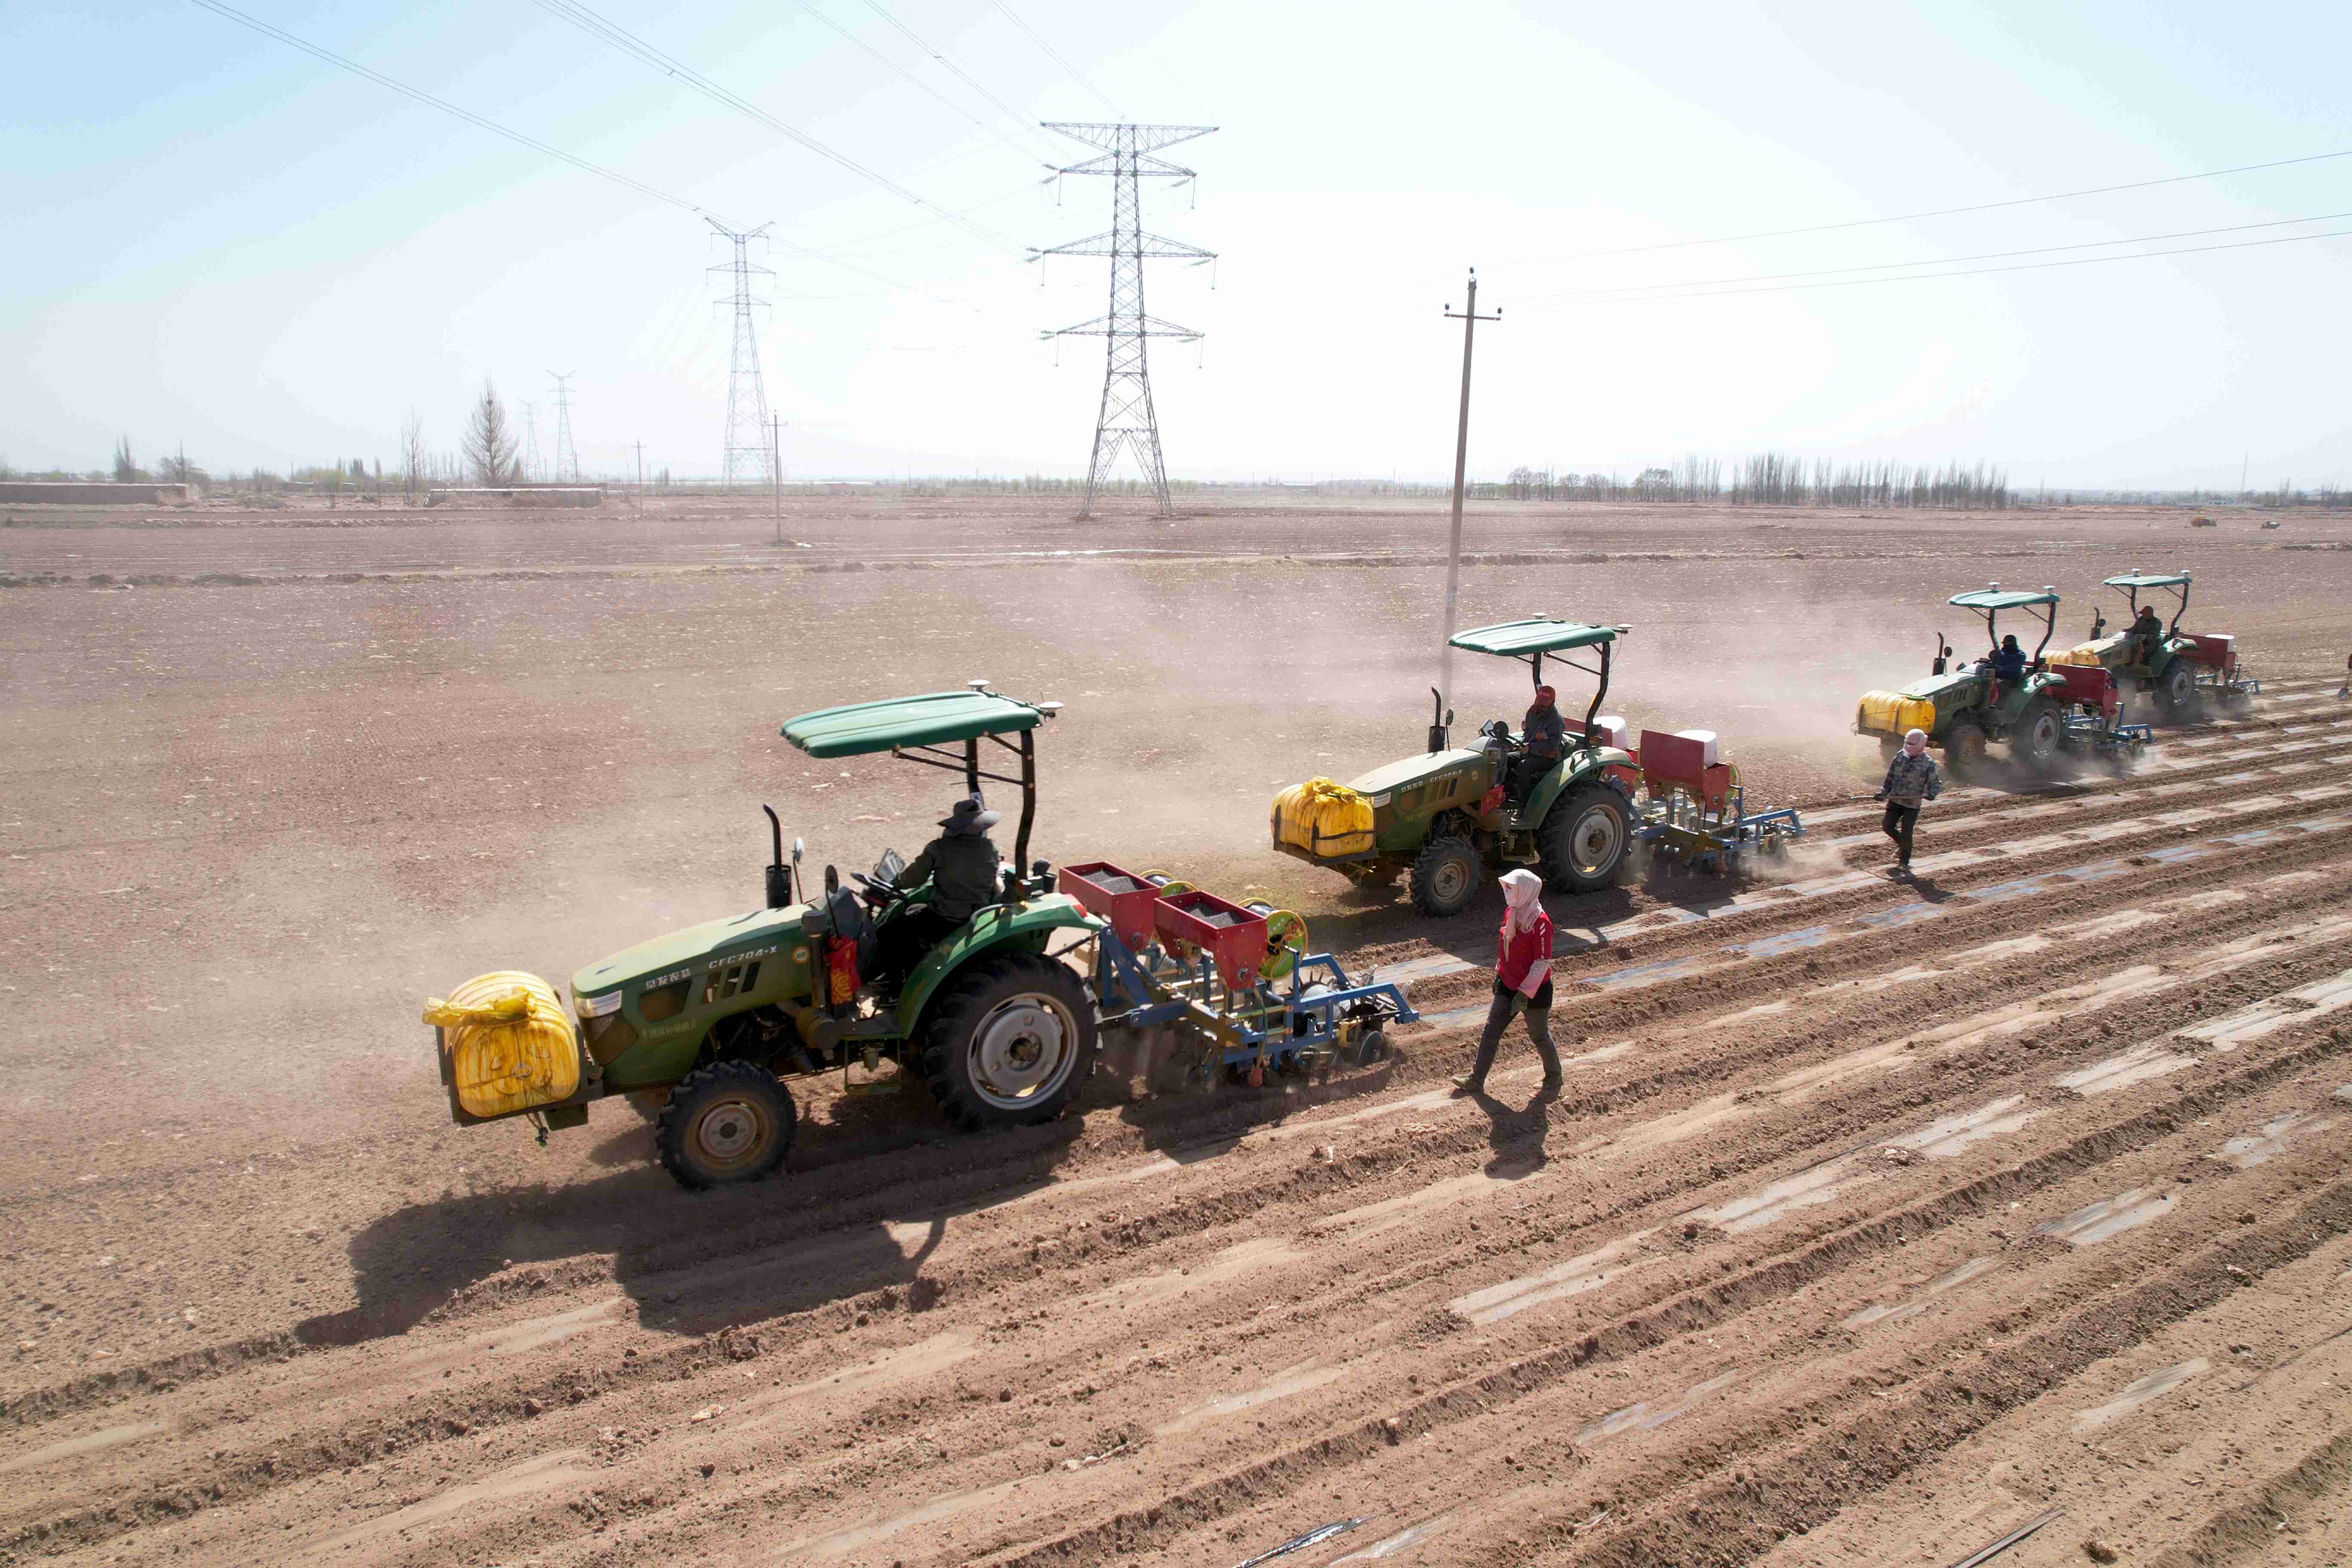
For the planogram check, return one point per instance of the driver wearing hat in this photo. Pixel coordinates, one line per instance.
(1544, 734)
(959, 866)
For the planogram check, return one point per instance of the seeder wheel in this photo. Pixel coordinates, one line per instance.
(1285, 941)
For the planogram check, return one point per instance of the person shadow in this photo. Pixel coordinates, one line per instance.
(1517, 1139)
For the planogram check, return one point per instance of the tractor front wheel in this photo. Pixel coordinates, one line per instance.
(1583, 839)
(1009, 1042)
(1445, 876)
(728, 1122)
(1964, 749)
(2040, 736)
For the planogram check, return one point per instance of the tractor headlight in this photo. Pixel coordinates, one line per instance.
(599, 1006)
(1381, 799)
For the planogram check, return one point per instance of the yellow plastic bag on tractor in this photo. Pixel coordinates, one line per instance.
(510, 1043)
(1324, 817)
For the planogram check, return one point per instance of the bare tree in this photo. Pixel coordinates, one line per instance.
(125, 469)
(416, 460)
(489, 440)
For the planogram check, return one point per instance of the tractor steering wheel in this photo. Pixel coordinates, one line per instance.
(878, 895)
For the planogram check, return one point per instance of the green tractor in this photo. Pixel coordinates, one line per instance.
(2177, 669)
(710, 1022)
(1962, 706)
(1437, 817)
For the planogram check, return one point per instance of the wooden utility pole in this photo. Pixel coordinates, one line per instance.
(1469, 318)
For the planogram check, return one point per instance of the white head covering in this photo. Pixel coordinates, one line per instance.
(1521, 890)
(1916, 741)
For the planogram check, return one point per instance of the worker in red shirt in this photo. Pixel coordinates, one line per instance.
(1522, 982)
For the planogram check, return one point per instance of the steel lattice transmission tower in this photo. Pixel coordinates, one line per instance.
(1127, 420)
(567, 461)
(747, 457)
(530, 441)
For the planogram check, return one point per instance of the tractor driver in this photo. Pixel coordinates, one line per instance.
(2147, 635)
(1543, 735)
(961, 868)
(2009, 662)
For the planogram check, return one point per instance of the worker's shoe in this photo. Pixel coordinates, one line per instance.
(1466, 1086)
(1552, 1084)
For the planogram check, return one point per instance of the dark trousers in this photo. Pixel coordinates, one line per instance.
(1900, 823)
(1538, 1014)
(1528, 769)
(908, 938)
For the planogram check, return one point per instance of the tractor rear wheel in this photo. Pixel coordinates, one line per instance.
(1583, 839)
(2177, 692)
(1964, 749)
(1009, 1043)
(2040, 736)
(725, 1124)
(1445, 876)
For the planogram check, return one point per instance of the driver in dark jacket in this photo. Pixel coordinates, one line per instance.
(959, 866)
(1544, 735)
(2009, 662)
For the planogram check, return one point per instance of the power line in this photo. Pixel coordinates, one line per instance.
(589, 22)
(1939, 212)
(1055, 56)
(810, 7)
(962, 75)
(2021, 266)
(536, 145)
(1941, 260)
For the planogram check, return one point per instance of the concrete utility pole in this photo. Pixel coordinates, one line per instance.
(776, 468)
(1469, 318)
(641, 474)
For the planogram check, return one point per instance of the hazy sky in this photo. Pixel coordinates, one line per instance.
(217, 239)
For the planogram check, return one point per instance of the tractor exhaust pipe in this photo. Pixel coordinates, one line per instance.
(1441, 721)
(780, 876)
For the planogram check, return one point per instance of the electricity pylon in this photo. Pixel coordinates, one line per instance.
(567, 461)
(529, 442)
(747, 456)
(1126, 419)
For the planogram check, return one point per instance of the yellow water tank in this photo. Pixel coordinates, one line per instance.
(1324, 817)
(1892, 713)
(508, 1043)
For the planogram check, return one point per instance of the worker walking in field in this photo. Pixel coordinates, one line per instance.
(1544, 735)
(1912, 780)
(1522, 982)
(959, 866)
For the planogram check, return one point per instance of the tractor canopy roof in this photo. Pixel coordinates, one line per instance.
(1540, 633)
(1995, 599)
(924, 721)
(2148, 580)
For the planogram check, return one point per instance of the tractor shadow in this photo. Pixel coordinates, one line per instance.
(859, 1209)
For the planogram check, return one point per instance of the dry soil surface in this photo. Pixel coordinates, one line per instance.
(1878, 1221)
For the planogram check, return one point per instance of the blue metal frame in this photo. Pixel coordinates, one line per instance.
(1263, 1027)
(1716, 843)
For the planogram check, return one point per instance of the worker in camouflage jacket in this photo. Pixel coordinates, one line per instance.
(1912, 780)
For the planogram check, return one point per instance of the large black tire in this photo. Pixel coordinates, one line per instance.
(2040, 736)
(1009, 1043)
(1445, 876)
(1584, 838)
(723, 1124)
(2176, 694)
(1964, 749)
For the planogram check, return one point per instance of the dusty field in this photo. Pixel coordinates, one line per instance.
(1876, 1221)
